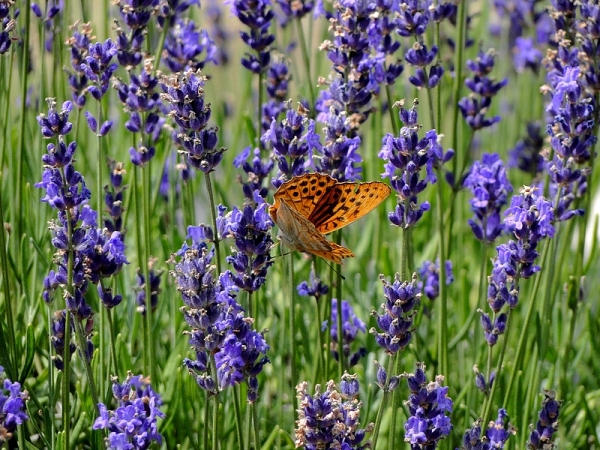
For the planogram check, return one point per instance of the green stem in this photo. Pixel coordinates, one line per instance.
(243, 438)
(11, 354)
(524, 335)
(443, 313)
(20, 179)
(149, 317)
(306, 59)
(458, 67)
(292, 339)
(213, 215)
(382, 405)
(79, 335)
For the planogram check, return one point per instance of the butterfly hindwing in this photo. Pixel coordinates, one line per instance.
(346, 202)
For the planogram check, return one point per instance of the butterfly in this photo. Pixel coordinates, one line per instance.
(309, 206)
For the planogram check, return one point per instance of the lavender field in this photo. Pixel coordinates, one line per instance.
(180, 179)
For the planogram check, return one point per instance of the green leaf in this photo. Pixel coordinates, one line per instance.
(29, 354)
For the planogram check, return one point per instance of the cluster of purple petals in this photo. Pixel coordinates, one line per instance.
(339, 155)
(133, 424)
(58, 337)
(12, 407)
(218, 325)
(315, 289)
(293, 141)
(430, 272)
(572, 136)
(141, 290)
(79, 45)
(483, 88)
(520, 14)
(93, 68)
(170, 11)
(496, 435)
(406, 156)
(528, 219)
(53, 8)
(257, 16)
(96, 252)
(526, 155)
(257, 170)
(184, 96)
(7, 25)
(293, 9)
(142, 102)
(412, 21)
(429, 406)
(330, 419)
(490, 187)
(351, 325)
(541, 437)
(481, 383)
(399, 309)
(277, 78)
(250, 229)
(188, 47)
(361, 41)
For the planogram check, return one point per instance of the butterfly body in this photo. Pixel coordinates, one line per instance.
(311, 205)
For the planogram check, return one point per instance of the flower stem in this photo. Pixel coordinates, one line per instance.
(213, 216)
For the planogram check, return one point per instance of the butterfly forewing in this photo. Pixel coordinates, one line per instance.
(303, 193)
(346, 202)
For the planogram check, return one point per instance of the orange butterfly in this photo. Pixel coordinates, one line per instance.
(309, 206)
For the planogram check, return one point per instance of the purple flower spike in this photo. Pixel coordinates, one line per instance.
(541, 437)
(406, 156)
(12, 407)
(396, 323)
(475, 106)
(429, 405)
(496, 434)
(490, 187)
(430, 272)
(133, 424)
(330, 419)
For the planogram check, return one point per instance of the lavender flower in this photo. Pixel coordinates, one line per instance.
(428, 404)
(547, 425)
(339, 155)
(185, 45)
(358, 56)
(490, 187)
(291, 146)
(12, 407)
(257, 16)
(529, 219)
(396, 323)
(527, 153)
(294, 9)
(185, 98)
(218, 324)
(219, 34)
(315, 289)
(277, 78)
(114, 198)
(405, 157)
(430, 272)
(137, 13)
(526, 56)
(154, 288)
(250, 229)
(78, 81)
(330, 419)
(58, 338)
(142, 102)
(474, 107)
(133, 425)
(92, 253)
(496, 434)
(257, 172)
(7, 25)
(98, 67)
(351, 325)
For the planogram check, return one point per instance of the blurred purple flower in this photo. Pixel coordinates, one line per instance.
(541, 437)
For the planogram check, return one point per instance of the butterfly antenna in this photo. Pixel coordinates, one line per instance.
(334, 269)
